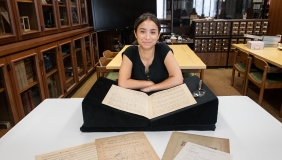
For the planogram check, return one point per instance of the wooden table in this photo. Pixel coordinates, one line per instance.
(269, 54)
(187, 60)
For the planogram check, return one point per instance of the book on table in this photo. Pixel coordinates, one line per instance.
(152, 106)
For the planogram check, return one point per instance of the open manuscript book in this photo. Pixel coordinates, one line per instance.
(152, 106)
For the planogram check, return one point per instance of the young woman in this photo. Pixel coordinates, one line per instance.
(148, 66)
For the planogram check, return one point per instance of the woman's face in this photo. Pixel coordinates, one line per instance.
(147, 34)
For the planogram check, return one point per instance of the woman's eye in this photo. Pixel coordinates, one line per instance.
(142, 31)
(153, 32)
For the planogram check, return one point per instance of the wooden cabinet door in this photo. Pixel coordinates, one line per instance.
(48, 16)
(95, 51)
(79, 58)
(8, 110)
(83, 12)
(74, 13)
(63, 15)
(67, 64)
(27, 18)
(54, 16)
(26, 80)
(51, 69)
(8, 32)
(90, 62)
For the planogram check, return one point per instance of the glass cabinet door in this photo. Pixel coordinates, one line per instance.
(49, 16)
(74, 12)
(27, 79)
(51, 72)
(28, 16)
(63, 14)
(8, 110)
(95, 48)
(83, 11)
(79, 58)
(6, 22)
(68, 66)
(89, 57)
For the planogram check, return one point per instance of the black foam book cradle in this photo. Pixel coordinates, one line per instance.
(98, 117)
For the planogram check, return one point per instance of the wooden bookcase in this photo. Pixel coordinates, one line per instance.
(46, 51)
(27, 19)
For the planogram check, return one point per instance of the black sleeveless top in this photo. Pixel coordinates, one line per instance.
(157, 70)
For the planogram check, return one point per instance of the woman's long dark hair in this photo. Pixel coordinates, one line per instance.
(143, 18)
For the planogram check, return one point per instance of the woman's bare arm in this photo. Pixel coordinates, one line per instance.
(175, 76)
(124, 79)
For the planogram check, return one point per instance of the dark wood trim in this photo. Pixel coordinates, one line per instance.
(36, 42)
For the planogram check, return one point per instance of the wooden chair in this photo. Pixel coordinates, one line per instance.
(102, 71)
(241, 62)
(109, 54)
(269, 77)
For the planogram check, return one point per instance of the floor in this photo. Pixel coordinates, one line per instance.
(218, 80)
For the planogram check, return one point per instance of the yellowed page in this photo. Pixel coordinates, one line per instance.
(127, 146)
(178, 140)
(192, 151)
(81, 152)
(127, 100)
(170, 100)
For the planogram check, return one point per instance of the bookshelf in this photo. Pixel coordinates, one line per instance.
(45, 72)
(38, 59)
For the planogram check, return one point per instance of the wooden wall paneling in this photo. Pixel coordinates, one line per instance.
(274, 16)
(231, 58)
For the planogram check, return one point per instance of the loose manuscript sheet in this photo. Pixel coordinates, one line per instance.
(192, 151)
(81, 152)
(127, 146)
(178, 140)
(152, 106)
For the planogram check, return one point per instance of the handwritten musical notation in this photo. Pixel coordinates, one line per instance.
(127, 146)
(157, 104)
(170, 100)
(192, 151)
(178, 140)
(81, 152)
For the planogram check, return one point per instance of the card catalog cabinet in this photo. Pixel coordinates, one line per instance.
(213, 38)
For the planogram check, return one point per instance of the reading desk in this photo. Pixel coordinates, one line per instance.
(187, 60)
(270, 54)
(54, 125)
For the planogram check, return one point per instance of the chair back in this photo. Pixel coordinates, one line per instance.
(101, 67)
(241, 57)
(260, 63)
(104, 61)
(109, 54)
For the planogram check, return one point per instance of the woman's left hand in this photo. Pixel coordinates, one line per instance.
(146, 89)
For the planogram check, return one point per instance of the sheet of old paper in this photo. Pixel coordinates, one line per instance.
(192, 151)
(170, 100)
(127, 100)
(152, 106)
(81, 152)
(178, 140)
(127, 146)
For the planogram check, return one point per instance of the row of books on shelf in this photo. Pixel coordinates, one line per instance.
(30, 99)
(24, 72)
